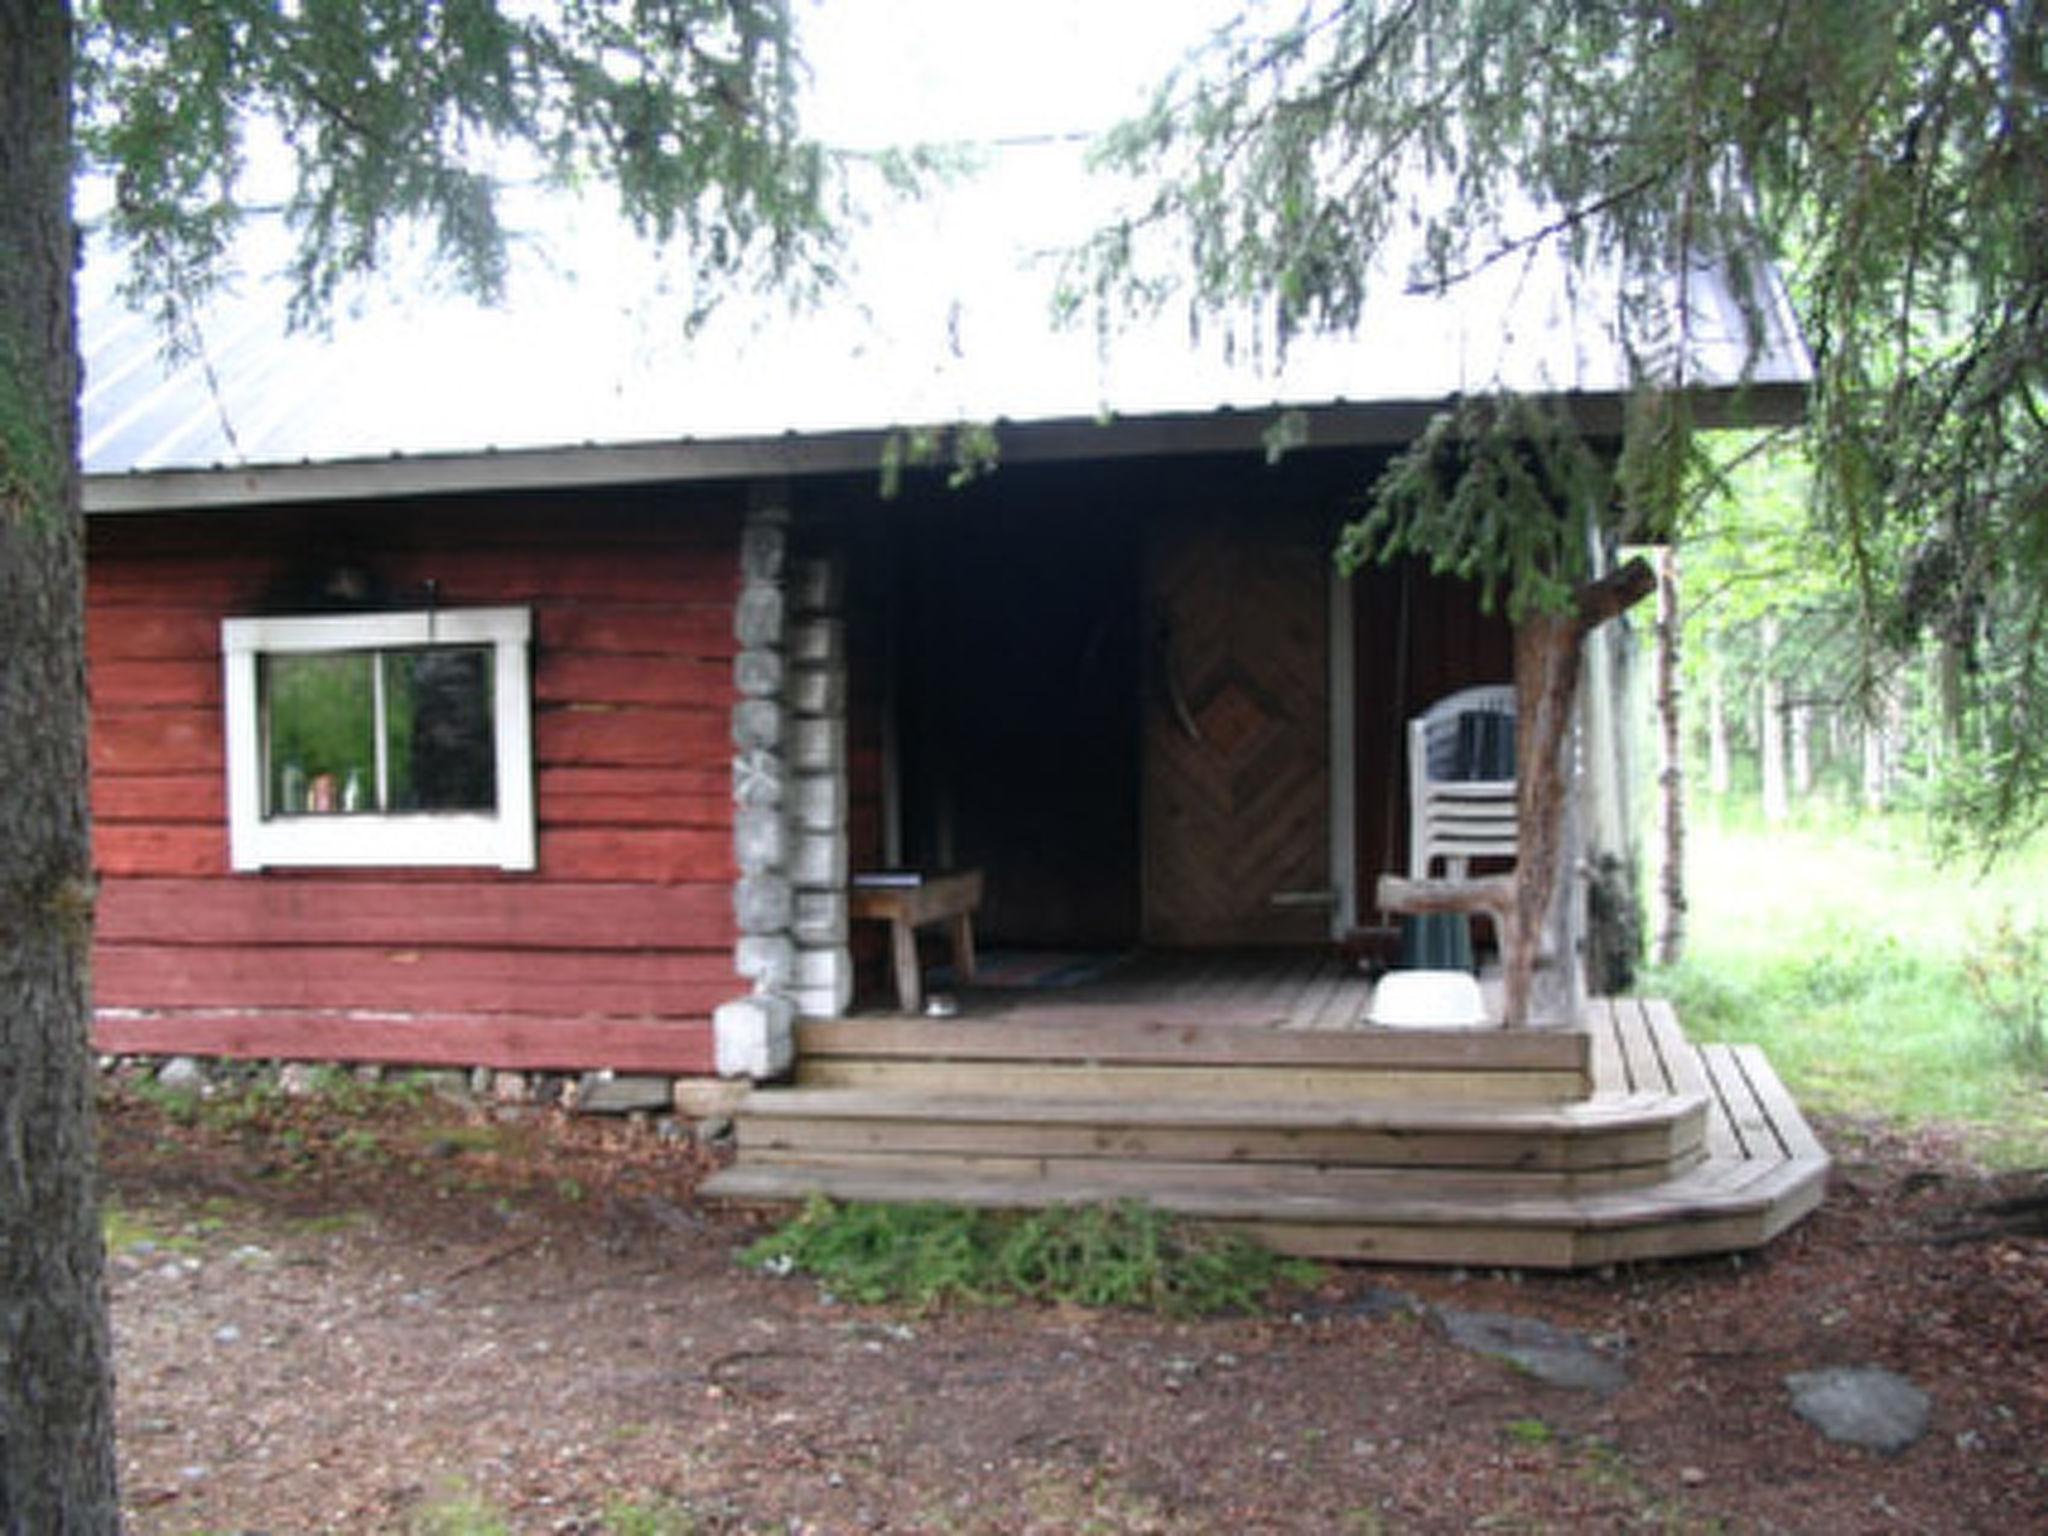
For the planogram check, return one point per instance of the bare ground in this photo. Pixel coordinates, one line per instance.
(335, 1319)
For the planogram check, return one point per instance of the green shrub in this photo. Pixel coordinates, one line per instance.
(1122, 1255)
(2007, 969)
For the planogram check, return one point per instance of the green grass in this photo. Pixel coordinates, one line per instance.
(1849, 954)
(459, 1514)
(656, 1517)
(1122, 1255)
(125, 1229)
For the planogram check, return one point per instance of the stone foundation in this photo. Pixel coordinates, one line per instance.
(687, 1101)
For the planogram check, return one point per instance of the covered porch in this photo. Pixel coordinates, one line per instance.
(1140, 698)
(1243, 1088)
(1137, 714)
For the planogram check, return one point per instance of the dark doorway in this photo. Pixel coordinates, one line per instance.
(1017, 696)
(1037, 732)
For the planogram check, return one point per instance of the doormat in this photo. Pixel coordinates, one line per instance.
(1036, 969)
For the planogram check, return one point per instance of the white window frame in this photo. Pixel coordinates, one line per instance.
(503, 838)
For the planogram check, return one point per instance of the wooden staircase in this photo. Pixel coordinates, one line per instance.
(1550, 1148)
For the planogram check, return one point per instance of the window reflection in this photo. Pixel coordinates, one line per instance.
(365, 732)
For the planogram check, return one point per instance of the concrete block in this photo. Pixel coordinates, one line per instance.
(759, 673)
(830, 966)
(754, 1036)
(817, 802)
(763, 904)
(758, 616)
(758, 777)
(816, 690)
(815, 745)
(760, 839)
(764, 548)
(818, 861)
(816, 587)
(821, 918)
(823, 1002)
(757, 723)
(769, 960)
(818, 642)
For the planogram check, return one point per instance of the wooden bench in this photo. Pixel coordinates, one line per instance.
(907, 902)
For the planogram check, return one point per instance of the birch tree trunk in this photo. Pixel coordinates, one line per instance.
(1771, 730)
(56, 1427)
(1719, 776)
(1669, 944)
(1799, 716)
(1876, 776)
(1883, 728)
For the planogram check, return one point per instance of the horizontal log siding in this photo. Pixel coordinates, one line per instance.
(611, 953)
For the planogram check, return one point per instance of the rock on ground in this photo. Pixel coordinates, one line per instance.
(1867, 1406)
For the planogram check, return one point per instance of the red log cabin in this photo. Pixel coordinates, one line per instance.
(541, 689)
(1105, 682)
(529, 688)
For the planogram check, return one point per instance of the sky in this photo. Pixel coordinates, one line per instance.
(905, 71)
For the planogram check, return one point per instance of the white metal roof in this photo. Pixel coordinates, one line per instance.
(945, 315)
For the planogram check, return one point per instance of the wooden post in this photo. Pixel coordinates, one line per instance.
(1548, 649)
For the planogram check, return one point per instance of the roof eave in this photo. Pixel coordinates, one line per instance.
(1339, 425)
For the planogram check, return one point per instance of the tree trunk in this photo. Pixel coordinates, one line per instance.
(1548, 650)
(1948, 693)
(1876, 777)
(1719, 776)
(56, 1428)
(1883, 733)
(1670, 927)
(1771, 730)
(1801, 721)
(1603, 841)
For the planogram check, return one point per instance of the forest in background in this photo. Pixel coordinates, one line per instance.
(1789, 702)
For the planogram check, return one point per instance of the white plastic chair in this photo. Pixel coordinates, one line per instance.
(1453, 818)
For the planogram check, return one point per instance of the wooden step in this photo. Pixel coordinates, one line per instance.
(1135, 1180)
(1712, 1209)
(1676, 1150)
(1122, 1056)
(1121, 1036)
(1634, 1139)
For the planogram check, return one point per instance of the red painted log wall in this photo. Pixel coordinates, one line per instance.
(611, 953)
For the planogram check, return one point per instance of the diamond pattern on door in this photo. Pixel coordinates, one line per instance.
(1236, 728)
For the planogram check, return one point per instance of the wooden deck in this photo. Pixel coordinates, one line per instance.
(1278, 989)
(1246, 1093)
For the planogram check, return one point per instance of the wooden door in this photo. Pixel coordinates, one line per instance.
(1236, 729)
